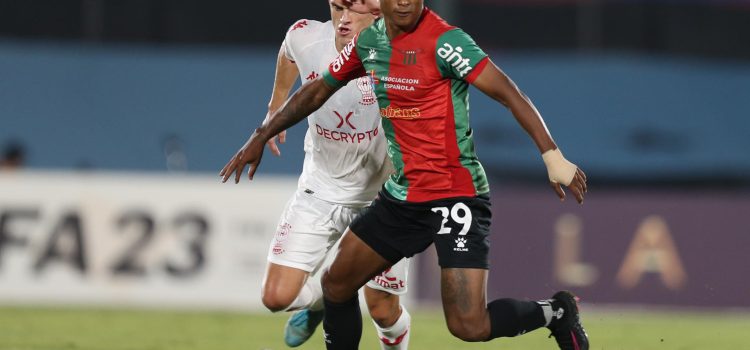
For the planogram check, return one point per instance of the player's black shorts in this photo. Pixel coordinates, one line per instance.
(459, 227)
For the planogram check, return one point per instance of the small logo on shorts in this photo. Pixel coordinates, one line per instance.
(283, 232)
(461, 245)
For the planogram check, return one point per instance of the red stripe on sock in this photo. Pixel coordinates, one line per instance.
(575, 342)
(397, 341)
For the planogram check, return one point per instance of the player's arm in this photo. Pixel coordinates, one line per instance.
(286, 76)
(497, 85)
(306, 100)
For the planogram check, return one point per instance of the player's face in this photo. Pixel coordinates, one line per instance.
(403, 13)
(348, 23)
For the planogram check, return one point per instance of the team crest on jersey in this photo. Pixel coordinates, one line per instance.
(410, 56)
(365, 87)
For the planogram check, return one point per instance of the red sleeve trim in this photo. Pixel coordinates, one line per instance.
(347, 65)
(477, 70)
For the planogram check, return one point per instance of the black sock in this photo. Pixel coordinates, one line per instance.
(342, 324)
(510, 317)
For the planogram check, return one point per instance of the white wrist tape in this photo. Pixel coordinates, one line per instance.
(559, 169)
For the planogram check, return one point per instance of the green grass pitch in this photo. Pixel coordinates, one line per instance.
(79, 329)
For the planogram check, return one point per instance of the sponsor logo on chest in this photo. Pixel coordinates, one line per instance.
(394, 82)
(345, 130)
(454, 57)
(400, 113)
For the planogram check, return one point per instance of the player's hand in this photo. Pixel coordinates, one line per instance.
(361, 6)
(577, 186)
(249, 154)
(271, 143)
(562, 172)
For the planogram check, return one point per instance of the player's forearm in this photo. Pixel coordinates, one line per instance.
(306, 100)
(497, 85)
(531, 121)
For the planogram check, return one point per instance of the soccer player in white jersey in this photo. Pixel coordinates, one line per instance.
(345, 165)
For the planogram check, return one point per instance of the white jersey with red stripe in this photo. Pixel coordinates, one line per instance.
(346, 159)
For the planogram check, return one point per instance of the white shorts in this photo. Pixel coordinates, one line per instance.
(308, 230)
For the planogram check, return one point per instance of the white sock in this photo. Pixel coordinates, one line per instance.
(309, 297)
(396, 337)
(547, 310)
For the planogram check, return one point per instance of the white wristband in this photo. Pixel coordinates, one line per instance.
(559, 169)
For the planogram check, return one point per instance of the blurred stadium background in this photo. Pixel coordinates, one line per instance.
(116, 116)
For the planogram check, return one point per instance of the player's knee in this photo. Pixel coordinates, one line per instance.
(276, 302)
(335, 290)
(383, 312)
(331, 287)
(467, 330)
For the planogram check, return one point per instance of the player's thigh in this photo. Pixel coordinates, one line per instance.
(395, 228)
(353, 265)
(463, 291)
(304, 233)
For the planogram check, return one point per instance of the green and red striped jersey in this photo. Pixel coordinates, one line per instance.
(421, 81)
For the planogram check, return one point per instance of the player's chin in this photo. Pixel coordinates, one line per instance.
(405, 19)
(345, 37)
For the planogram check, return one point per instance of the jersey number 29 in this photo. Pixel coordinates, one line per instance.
(460, 213)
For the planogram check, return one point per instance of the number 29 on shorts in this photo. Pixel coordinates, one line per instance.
(459, 213)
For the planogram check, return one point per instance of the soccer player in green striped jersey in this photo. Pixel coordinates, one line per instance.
(420, 68)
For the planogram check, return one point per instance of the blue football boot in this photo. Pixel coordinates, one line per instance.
(301, 326)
